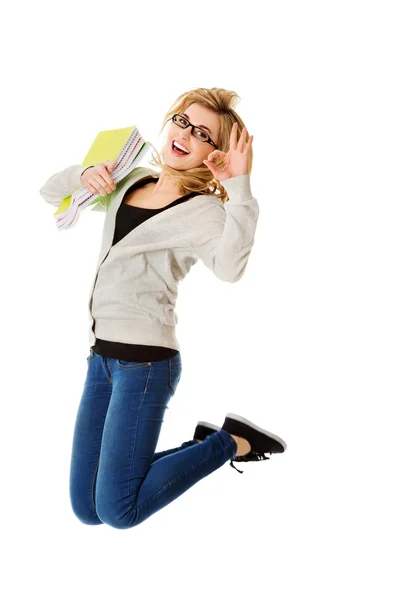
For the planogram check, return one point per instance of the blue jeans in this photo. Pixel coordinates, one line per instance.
(116, 477)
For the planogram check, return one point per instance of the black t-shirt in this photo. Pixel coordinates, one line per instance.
(128, 217)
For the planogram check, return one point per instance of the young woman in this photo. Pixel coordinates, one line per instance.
(157, 225)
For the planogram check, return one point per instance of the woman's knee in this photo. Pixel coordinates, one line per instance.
(85, 512)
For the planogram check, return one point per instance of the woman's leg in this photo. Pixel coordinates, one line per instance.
(159, 455)
(130, 485)
(87, 439)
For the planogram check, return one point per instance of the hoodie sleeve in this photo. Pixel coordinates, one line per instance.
(224, 241)
(62, 184)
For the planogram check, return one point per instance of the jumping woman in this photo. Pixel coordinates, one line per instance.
(157, 224)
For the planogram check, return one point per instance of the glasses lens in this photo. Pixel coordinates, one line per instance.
(200, 134)
(181, 121)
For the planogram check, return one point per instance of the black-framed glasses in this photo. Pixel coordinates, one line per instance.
(198, 133)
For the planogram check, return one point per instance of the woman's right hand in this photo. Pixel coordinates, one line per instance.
(97, 179)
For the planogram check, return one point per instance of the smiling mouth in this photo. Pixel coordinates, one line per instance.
(177, 152)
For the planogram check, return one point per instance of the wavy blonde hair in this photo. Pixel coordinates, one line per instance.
(200, 179)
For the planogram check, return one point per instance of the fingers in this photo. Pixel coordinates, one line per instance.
(211, 166)
(99, 181)
(237, 145)
(240, 145)
(110, 164)
(241, 142)
(248, 145)
(103, 187)
(233, 139)
(216, 154)
(107, 178)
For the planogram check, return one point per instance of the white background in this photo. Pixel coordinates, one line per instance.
(306, 344)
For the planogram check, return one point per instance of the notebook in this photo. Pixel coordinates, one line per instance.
(126, 147)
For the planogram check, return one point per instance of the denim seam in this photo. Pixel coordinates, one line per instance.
(171, 368)
(136, 428)
(92, 484)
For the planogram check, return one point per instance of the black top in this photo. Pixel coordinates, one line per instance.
(128, 217)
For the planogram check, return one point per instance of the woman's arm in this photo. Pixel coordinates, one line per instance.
(225, 241)
(62, 184)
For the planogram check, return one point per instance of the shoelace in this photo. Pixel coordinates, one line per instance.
(251, 456)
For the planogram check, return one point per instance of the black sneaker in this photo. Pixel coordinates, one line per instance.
(260, 440)
(204, 429)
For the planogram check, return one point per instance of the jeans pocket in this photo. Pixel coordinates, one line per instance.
(175, 372)
(90, 355)
(130, 364)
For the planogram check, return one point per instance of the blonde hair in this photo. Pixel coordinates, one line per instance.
(200, 179)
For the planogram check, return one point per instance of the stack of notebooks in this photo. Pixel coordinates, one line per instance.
(126, 148)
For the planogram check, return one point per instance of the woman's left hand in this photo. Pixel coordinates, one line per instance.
(236, 160)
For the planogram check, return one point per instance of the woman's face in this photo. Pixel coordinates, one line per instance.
(204, 118)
